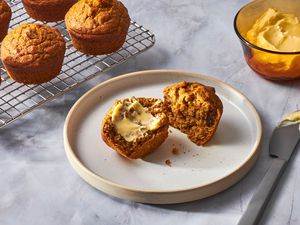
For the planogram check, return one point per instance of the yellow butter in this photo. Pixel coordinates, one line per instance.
(280, 32)
(132, 120)
(276, 31)
(289, 119)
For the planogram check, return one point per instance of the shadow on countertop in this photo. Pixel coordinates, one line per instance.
(234, 195)
(152, 59)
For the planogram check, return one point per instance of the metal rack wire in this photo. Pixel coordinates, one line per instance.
(16, 100)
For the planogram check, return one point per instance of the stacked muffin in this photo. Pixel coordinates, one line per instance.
(34, 53)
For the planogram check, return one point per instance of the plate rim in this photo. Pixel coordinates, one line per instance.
(84, 171)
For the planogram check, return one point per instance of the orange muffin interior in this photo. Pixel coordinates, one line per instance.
(194, 109)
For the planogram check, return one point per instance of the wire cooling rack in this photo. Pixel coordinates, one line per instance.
(16, 100)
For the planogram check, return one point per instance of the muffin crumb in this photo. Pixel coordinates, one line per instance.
(175, 151)
(168, 162)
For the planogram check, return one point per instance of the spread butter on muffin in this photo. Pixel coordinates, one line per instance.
(97, 27)
(47, 10)
(194, 109)
(134, 127)
(33, 53)
(5, 17)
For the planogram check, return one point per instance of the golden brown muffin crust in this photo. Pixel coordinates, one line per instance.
(48, 10)
(95, 17)
(31, 45)
(5, 11)
(5, 16)
(194, 109)
(46, 3)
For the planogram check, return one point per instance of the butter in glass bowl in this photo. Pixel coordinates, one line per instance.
(270, 35)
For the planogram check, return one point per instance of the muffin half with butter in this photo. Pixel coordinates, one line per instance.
(97, 27)
(134, 127)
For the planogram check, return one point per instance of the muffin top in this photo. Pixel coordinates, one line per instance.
(31, 45)
(97, 17)
(185, 95)
(5, 10)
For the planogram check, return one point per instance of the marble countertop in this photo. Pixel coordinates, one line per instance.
(38, 185)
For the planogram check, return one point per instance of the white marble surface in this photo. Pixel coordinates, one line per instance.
(38, 186)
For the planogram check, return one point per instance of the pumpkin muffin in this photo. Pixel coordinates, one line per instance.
(97, 27)
(33, 53)
(194, 109)
(5, 17)
(134, 127)
(47, 10)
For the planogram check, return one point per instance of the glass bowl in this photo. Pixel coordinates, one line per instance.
(274, 65)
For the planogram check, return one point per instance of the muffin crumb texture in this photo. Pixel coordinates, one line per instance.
(194, 109)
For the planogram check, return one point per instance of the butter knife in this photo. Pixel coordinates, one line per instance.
(283, 142)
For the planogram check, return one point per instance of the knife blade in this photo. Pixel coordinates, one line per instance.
(284, 140)
(282, 144)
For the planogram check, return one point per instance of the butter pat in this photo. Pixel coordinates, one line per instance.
(290, 119)
(132, 120)
(276, 31)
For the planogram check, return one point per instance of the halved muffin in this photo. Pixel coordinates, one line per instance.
(194, 109)
(5, 17)
(134, 127)
(97, 27)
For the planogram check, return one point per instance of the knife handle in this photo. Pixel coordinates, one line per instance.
(265, 189)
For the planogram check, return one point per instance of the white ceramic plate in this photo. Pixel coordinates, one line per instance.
(196, 172)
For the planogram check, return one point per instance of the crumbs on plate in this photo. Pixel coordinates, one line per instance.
(175, 151)
(168, 162)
